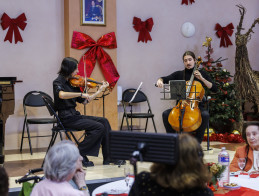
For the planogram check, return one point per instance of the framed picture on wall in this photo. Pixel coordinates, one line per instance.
(93, 12)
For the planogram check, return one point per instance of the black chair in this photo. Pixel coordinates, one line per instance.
(59, 128)
(34, 99)
(139, 98)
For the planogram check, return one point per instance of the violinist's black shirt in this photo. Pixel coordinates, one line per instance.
(61, 84)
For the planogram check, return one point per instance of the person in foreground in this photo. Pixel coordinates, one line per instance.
(250, 151)
(4, 182)
(66, 97)
(62, 163)
(200, 76)
(188, 177)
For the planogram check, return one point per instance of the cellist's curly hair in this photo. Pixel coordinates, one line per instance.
(189, 53)
(190, 170)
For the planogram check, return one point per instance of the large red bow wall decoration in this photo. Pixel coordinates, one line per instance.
(143, 28)
(13, 24)
(223, 33)
(81, 41)
(186, 2)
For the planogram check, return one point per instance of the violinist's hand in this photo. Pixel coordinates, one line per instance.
(198, 75)
(104, 86)
(160, 83)
(86, 96)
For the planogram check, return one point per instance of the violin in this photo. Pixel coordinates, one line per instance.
(192, 115)
(79, 81)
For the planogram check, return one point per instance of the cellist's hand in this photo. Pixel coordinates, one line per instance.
(198, 75)
(160, 83)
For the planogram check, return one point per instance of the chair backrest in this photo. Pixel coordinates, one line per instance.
(128, 94)
(34, 99)
(51, 108)
(50, 105)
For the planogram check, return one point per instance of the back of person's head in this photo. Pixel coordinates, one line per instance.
(61, 161)
(68, 65)
(4, 183)
(190, 53)
(190, 170)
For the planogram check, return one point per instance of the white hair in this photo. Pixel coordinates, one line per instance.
(60, 161)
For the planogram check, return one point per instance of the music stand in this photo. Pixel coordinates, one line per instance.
(177, 89)
(149, 147)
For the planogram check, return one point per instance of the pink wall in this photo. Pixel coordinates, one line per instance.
(147, 62)
(36, 60)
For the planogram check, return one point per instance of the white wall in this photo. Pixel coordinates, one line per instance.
(138, 61)
(36, 60)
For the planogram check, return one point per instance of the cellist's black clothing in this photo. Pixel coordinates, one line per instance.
(96, 128)
(186, 75)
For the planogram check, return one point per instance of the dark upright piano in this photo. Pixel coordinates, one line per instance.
(6, 108)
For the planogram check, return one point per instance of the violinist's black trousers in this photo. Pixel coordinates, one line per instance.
(96, 131)
(199, 132)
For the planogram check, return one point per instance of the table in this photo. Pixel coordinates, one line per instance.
(119, 187)
(116, 187)
(244, 181)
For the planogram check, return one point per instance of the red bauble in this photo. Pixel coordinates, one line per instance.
(231, 137)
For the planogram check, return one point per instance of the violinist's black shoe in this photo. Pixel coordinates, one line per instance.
(115, 162)
(86, 162)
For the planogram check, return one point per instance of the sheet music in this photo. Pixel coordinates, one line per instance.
(133, 97)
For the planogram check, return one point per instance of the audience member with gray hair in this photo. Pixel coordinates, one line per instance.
(62, 163)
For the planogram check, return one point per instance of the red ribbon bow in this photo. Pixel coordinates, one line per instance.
(81, 41)
(223, 33)
(13, 24)
(143, 28)
(186, 2)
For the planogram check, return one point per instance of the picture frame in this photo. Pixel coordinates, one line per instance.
(93, 12)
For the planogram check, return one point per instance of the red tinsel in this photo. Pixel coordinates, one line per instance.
(225, 137)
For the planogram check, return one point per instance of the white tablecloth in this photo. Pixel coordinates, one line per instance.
(116, 187)
(119, 186)
(245, 181)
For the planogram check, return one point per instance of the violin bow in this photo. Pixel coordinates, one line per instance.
(85, 72)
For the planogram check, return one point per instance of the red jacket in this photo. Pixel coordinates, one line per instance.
(241, 153)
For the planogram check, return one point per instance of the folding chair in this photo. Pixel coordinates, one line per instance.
(34, 99)
(59, 127)
(139, 98)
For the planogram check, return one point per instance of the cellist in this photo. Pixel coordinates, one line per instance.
(199, 75)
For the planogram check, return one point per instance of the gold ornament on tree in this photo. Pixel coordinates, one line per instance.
(236, 132)
(207, 43)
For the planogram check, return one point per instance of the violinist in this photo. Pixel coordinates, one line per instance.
(199, 75)
(65, 98)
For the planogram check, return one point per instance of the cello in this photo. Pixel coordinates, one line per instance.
(186, 115)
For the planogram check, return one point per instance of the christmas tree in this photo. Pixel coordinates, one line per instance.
(224, 106)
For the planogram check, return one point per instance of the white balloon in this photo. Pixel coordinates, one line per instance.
(188, 29)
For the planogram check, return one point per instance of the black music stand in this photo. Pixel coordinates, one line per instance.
(149, 147)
